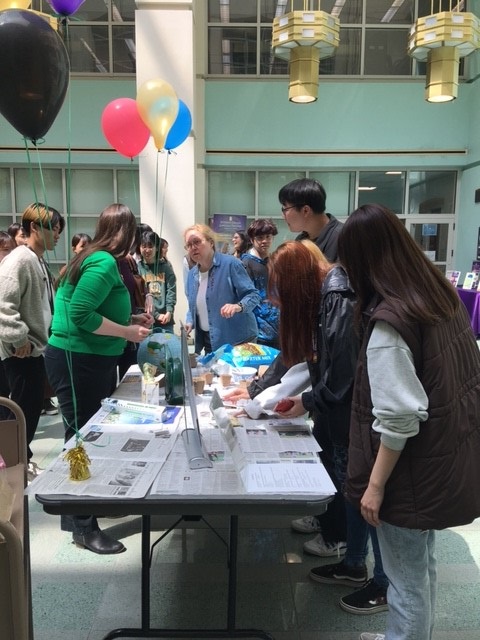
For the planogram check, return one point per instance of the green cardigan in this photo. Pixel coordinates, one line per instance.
(79, 309)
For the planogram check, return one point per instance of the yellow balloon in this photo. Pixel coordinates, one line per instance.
(157, 105)
(14, 4)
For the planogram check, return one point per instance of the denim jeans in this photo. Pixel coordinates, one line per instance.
(358, 531)
(333, 522)
(410, 564)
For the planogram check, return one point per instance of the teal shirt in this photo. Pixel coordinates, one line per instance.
(79, 309)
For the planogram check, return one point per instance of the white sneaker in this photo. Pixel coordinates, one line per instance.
(372, 636)
(308, 524)
(33, 470)
(318, 547)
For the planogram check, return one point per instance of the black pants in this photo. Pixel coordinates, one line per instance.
(79, 385)
(26, 380)
(5, 414)
(334, 521)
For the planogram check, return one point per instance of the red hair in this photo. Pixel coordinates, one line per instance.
(295, 278)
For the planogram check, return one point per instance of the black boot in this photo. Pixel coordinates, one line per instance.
(98, 542)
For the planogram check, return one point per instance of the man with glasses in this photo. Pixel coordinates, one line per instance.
(26, 304)
(303, 207)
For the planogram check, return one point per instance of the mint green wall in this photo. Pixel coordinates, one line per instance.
(469, 212)
(348, 116)
(370, 123)
(374, 125)
(77, 124)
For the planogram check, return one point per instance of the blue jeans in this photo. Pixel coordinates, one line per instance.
(358, 529)
(410, 564)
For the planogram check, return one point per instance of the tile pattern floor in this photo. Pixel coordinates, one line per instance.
(78, 595)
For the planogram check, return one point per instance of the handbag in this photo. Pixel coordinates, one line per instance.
(140, 286)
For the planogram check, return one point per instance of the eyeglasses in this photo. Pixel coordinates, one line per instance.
(293, 206)
(193, 244)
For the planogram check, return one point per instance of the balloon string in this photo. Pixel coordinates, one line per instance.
(68, 187)
(134, 186)
(164, 194)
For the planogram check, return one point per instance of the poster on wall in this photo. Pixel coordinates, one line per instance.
(225, 225)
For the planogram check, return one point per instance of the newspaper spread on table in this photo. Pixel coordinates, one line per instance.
(134, 448)
(127, 445)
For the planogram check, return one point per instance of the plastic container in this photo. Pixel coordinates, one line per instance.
(243, 373)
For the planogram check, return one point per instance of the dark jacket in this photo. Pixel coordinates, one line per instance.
(333, 372)
(435, 483)
(327, 242)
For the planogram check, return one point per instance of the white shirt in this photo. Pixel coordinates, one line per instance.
(202, 311)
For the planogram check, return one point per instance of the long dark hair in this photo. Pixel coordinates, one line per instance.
(114, 233)
(295, 277)
(382, 258)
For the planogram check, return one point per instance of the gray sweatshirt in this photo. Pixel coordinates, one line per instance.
(24, 306)
(398, 397)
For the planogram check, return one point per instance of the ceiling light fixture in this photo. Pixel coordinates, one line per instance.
(441, 39)
(304, 38)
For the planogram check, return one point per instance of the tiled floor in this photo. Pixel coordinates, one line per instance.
(78, 595)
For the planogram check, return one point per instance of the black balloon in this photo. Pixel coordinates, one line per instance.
(34, 72)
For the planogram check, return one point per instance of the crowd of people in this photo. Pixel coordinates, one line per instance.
(393, 367)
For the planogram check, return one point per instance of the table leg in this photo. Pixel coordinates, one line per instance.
(230, 632)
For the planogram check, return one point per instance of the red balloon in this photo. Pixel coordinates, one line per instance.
(123, 127)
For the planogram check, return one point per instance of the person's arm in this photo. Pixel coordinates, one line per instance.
(171, 286)
(131, 332)
(372, 499)
(341, 353)
(245, 291)
(399, 405)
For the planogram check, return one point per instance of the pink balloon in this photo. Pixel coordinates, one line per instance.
(123, 127)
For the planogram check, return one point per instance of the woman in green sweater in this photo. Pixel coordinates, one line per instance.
(91, 324)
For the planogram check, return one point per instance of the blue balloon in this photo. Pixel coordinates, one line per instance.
(180, 128)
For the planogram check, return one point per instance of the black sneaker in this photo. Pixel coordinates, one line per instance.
(49, 408)
(339, 573)
(369, 599)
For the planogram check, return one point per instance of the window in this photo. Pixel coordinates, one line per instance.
(373, 36)
(99, 37)
(91, 191)
(423, 200)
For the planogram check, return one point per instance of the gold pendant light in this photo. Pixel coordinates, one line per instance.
(440, 40)
(304, 38)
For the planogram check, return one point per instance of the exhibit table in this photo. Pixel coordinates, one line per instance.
(471, 300)
(211, 502)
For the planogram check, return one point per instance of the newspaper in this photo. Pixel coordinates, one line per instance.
(127, 448)
(278, 455)
(108, 477)
(134, 448)
(283, 437)
(176, 478)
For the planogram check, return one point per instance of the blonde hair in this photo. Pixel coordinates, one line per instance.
(39, 213)
(203, 229)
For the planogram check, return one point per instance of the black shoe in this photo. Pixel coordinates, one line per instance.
(370, 599)
(98, 542)
(339, 573)
(49, 408)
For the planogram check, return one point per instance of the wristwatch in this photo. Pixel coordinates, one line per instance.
(241, 306)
